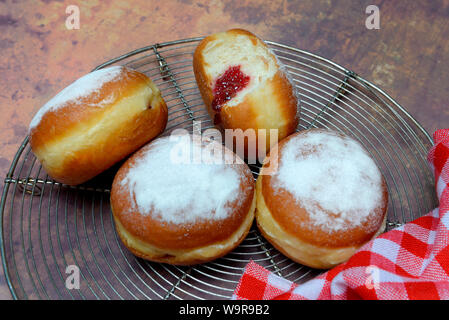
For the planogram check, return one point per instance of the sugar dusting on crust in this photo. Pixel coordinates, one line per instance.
(254, 59)
(179, 189)
(84, 86)
(332, 177)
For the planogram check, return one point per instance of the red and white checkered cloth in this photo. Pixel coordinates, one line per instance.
(409, 262)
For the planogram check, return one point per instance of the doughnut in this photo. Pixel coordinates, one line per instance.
(244, 86)
(183, 200)
(320, 197)
(95, 122)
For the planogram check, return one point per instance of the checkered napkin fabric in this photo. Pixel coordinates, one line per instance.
(409, 262)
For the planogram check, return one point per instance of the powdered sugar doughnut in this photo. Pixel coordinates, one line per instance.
(95, 122)
(325, 199)
(245, 87)
(178, 209)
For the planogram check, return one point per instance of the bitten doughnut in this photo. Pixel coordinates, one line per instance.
(96, 121)
(244, 87)
(320, 197)
(182, 200)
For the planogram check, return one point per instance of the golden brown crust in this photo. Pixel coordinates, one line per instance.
(296, 221)
(61, 140)
(302, 251)
(186, 256)
(287, 225)
(165, 237)
(271, 106)
(57, 123)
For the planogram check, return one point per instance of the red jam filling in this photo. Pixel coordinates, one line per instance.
(227, 86)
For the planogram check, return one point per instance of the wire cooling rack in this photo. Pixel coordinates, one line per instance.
(50, 230)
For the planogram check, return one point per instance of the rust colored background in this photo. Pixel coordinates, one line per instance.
(408, 57)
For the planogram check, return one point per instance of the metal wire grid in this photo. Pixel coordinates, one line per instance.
(47, 226)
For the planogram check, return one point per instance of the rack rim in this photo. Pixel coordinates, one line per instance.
(8, 181)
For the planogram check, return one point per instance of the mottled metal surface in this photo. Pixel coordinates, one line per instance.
(408, 56)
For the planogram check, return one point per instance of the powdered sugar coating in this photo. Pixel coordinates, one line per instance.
(332, 177)
(84, 86)
(178, 191)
